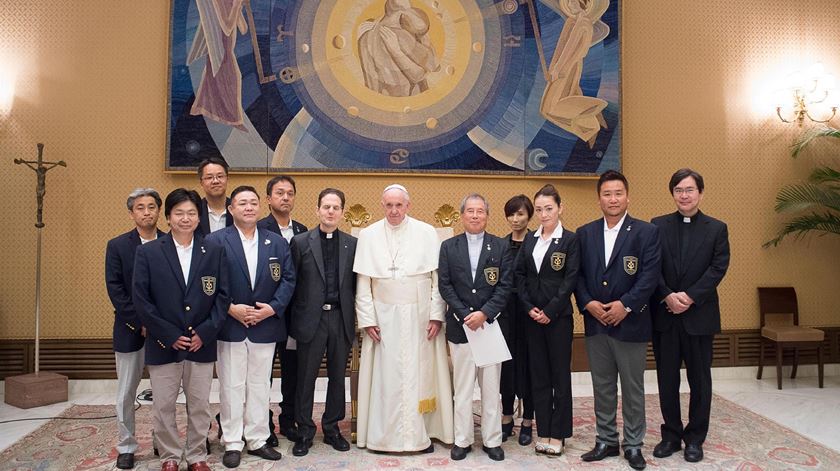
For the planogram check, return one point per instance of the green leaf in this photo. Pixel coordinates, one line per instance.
(823, 224)
(804, 196)
(809, 136)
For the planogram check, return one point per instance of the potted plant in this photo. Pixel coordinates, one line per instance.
(815, 202)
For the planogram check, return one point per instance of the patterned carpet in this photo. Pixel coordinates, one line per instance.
(739, 440)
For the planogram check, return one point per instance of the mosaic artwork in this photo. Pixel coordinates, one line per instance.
(517, 87)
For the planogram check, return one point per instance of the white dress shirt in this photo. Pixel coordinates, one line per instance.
(610, 235)
(249, 246)
(185, 258)
(474, 243)
(287, 232)
(217, 221)
(541, 247)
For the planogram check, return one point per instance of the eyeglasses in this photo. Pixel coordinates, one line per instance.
(688, 191)
(210, 178)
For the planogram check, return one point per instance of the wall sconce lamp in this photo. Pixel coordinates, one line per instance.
(812, 93)
(7, 94)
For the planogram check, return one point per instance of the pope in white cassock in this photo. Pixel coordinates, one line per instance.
(405, 392)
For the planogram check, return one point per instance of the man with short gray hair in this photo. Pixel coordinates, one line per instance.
(143, 209)
(475, 278)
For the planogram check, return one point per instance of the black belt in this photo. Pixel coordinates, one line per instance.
(329, 307)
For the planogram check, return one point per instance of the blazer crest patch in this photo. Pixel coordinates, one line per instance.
(558, 260)
(208, 284)
(631, 264)
(491, 275)
(275, 270)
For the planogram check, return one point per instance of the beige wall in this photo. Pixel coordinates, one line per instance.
(92, 87)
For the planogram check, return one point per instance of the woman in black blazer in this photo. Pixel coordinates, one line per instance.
(515, 380)
(546, 274)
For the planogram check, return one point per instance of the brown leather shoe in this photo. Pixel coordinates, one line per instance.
(200, 466)
(169, 465)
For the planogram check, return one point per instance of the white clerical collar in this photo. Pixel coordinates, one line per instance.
(399, 226)
(617, 226)
(557, 234)
(475, 237)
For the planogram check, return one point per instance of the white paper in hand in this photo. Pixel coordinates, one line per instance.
(488, 345)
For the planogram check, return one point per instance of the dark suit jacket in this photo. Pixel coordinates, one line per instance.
(311, 289)
(204, 217)
(169, 308)
(275, 283)
(699, 277)
(119, 271)
(487, 293)
(630, 276)
(550, 289)
(271, 224)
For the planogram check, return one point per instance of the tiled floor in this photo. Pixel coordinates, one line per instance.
(800, 406)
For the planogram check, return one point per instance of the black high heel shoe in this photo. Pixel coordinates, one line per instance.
(507, 430)
(525, 435)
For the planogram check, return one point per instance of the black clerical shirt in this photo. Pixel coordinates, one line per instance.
(329, 247)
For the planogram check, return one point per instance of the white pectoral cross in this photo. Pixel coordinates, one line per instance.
(393, 269)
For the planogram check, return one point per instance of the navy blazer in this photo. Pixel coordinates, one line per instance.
(275, 284)
(698, 277)
(119, 271)
(204, 217)
(487, 293)
(311, 288)
(272, 225)
(170, 308)
(630, 276)
(551, 288)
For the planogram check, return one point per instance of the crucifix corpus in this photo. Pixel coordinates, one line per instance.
(37, 389)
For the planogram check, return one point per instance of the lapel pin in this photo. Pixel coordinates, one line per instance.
(267, 242)
(628, 228)
(556, 241)
(488, 247)
(202, 249)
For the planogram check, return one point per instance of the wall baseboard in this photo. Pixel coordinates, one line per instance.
(94, 358)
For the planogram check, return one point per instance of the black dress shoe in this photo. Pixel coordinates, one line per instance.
(666, 448)
(507, 430)
(125, 460)
(290, 431)
(634, 458)
(429, 449)
(601, 451)
(458, 453)
(495, 453)
(266, 452)
(302, 447)
(337, 442)
(272, 440)
(526, 435)
(232, 458)
(693, 453)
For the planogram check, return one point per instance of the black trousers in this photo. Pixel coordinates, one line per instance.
(289, 376)
(550, 358)
(329, 339)
(509, 379)
(671, 348)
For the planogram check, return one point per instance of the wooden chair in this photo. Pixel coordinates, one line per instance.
(780, 325)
